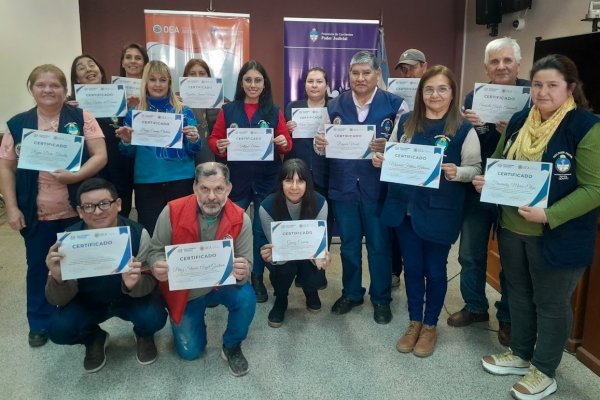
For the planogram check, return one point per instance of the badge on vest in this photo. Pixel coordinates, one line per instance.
(442, 141)
(337, 120)
(72, 128)
(233, 125)
(563, 162)
(263, 124)
(18, 149)
(387, 125)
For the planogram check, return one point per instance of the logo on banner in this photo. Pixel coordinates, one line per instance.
(314, 35)
(165, 29)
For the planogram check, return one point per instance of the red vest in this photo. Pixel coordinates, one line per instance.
(184, 227)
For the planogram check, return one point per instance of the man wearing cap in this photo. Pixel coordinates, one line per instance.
(412, 64)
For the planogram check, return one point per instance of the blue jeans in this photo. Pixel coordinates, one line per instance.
(190, 335)
(77, 322)
(355, 219)
(424, 274)
(472, 256)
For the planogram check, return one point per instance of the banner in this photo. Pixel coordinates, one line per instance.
(326, 43)
(220, 39)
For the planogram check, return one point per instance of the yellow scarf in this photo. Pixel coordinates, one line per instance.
(534, 135)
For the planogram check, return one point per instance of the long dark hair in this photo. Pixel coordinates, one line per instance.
(325, 76)
(308, 210)
(74, 72)
(132, 46)
(265, 100)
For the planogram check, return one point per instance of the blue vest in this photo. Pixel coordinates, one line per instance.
(27, 180)
(436, 214)
(350, 178)
(570, 245)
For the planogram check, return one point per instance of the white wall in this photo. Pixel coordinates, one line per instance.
(34, 32)
(547, 18)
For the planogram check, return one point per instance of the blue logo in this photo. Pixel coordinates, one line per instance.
(314, 35)
(562, 164)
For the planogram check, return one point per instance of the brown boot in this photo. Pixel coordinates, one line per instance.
(426, 343)
(407, 342)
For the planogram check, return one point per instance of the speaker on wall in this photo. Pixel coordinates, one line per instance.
(488, 12)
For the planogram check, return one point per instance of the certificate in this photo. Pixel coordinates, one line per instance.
(102, 100)
(133, 86)
(494, 103)
(405, 88)
(157, 129)
(298, 240)
(201, 92)
(94, 252)
(49, 151)
(309, 121)
(412, 164)
(517, 183)
(200, 265)
(349, 142)
(250, 144)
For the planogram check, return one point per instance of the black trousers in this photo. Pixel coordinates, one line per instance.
(282, 276)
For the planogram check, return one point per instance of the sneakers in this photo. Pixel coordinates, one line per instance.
(259, 289)
(313, 302)
(277, 313)
(238, 365)
(395, 280)
(343, 305)
(146, 352)
(95, 353)
(426, 343)
(505, 364)
(504, 333)
(535, 385)
(407, 342)
(465, 317)
(37, 339)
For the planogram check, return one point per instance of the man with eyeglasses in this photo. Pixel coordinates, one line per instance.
(412, 64)
(207, 214)
(82, 304)
(501, 62)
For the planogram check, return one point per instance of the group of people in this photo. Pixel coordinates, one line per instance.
(182, 197)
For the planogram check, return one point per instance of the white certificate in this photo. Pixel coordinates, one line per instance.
(494, 103)
(412, 164)
(309, 121)
(94, 252)
(157, 129)
(298, 240)
(405, 88)
(102, 100)
(133, 86)
(201, 92)
(250, 144)
(49, 151)
(349, 142)
(517, 183)
(200, 265)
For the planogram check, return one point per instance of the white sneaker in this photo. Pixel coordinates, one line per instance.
(534, 386)
(505, 364)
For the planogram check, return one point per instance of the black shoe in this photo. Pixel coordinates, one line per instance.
(211, 305)
(324, 285)
(343, 305)
(37, 339)
(313, 302)
(382, 313)
(297, 283)
(238, 365)
(95, 353)
(277, 313)
(146, 352)
(259, 289)
(504, 333)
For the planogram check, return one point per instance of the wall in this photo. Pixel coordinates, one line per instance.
(34, 32)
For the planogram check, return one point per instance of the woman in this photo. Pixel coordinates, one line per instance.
(544, 252)
(294, 199)
(252, 180)
(133, 60)
(160, 174)
(40, 204)
(119, 169)
(427, 221)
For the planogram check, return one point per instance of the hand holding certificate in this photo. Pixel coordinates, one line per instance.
(250, 144)
(157, 129)
(495, 103)
(200, 265)
(309, 121)
(349, 142)
(50, 151)
(412, 164)
(102, 100)
(201, 92)
(517, 183)
(298, 240)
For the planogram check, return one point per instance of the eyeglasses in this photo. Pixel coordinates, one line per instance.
(441, 90)
(104, 205)
(257, 81)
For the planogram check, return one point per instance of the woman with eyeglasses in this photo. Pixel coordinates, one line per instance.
(252, 180)
(427, 221)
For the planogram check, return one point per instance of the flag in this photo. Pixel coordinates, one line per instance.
(382, 57)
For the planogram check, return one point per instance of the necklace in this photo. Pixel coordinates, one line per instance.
(51, 122)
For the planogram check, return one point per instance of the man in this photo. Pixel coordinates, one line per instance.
(412, 64)
(84, 303)
(207, 215)
(501, 63)
(356, 191)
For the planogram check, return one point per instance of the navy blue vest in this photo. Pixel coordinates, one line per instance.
(570, 245)
(349, 178)
(27, 180)
(436, 214)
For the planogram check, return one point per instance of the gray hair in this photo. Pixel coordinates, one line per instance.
(210, 169)
(502, 43)
(365, 57)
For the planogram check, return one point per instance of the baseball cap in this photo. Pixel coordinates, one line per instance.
(411, 56)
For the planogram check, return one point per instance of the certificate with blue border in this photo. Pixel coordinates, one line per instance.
(309, 121)
(298, 240)
(405, 88)
(201, 92)
(412, 164)
(250, 144)
(132, 85)
(50, 151)
(495, 103)
(102, 100)
(157, 129)
(349, 142)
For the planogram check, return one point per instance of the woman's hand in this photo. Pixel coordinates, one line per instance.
(191, 133)
(266, 252)
(320, 142)
(478, 182)
(65, 177)
(133, 276)
(450, 170)
(291, 125)
(471, 116)
(378, 145)
(15, 218)
(377, 159)
(280, 140)
(222, 145)
(533, 214)
(124, 133)
(323, 263)
(501, 126)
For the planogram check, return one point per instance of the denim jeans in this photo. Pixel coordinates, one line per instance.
(425, 275)
(77, 322)
(540, 300)
(356, 219)
(472, 256)
(190, 335)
